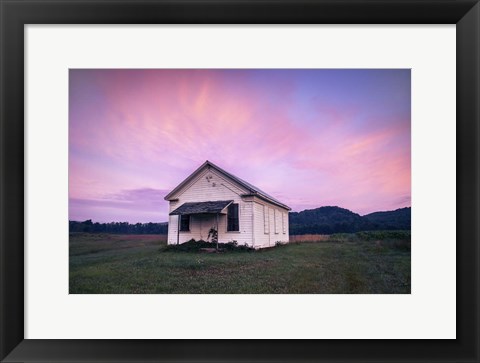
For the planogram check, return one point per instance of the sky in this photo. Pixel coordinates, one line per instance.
(308, 137)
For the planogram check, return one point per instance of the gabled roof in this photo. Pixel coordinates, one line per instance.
(202, 207)
(252, 190)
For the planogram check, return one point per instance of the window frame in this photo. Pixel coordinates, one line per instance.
(266, 219)
(181, 223)
(276, 225)
(237, 218)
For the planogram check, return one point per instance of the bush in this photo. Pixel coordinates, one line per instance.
(343, 237)
(400, 245)
(196, 246)
(382, 235)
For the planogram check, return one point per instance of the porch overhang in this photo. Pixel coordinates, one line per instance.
(211, 207)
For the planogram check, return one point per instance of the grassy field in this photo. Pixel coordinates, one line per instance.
(362, 263)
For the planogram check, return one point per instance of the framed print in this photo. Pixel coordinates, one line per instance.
(242, 125)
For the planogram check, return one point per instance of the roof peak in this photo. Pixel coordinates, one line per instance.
(251, 188)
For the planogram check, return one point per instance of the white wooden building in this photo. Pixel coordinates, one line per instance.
(211, 197)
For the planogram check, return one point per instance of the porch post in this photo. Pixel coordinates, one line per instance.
(178, 229)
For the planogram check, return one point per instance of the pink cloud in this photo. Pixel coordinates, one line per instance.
(132, 130)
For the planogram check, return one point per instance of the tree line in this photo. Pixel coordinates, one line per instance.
(329, 220)
(118, 227)
(323, 220)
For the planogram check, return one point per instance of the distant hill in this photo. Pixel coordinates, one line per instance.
(323, 220)
(328, 220)
(395, 219)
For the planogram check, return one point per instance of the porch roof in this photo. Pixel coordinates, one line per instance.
(202, 207)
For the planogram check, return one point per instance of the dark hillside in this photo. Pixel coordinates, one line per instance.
(396, 219)
(328, 220)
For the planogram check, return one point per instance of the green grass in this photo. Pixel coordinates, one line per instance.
(141, 264)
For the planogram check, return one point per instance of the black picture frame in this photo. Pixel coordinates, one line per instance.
(15, 14)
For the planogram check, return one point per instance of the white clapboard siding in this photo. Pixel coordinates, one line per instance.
(202, 189)
(262, 238)
(264, 225)
(261, 223)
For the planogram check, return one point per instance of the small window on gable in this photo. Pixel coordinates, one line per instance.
(266, 219)
(232, 218)
(284, 222)
(184, 223)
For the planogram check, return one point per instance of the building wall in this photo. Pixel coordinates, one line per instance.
(203, 189)
(270, 224)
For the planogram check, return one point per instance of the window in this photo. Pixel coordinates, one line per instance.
(185, 223)
(266, 219)
(284, 222)
(232, 218)
(275, 219)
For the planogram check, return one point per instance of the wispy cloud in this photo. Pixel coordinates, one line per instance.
(140, 205)
(316, 136)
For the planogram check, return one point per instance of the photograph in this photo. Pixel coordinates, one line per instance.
(239, 181)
